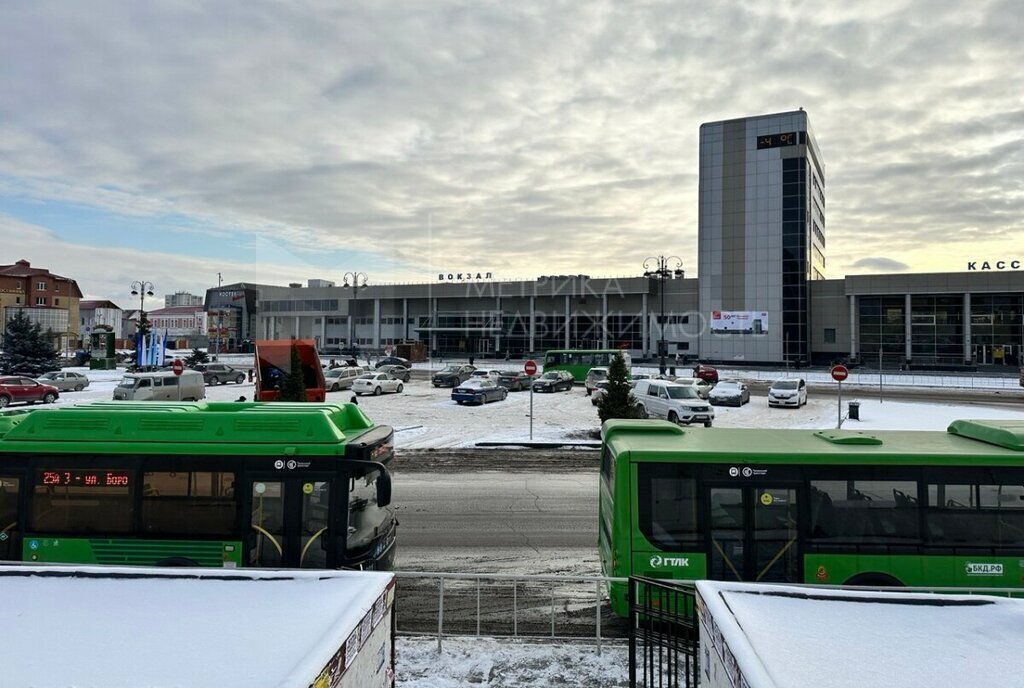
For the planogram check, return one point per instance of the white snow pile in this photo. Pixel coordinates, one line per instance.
(491, 663)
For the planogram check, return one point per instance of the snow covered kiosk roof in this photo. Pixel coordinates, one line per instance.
(795, 637)
(120, 627)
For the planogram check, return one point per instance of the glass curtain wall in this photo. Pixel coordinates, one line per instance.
(937, 329)
(881, 325)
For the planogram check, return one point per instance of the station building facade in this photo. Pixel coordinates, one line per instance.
(922, 320)
(762, 296)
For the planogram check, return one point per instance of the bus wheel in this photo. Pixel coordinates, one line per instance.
(177, 561)
(874, 580)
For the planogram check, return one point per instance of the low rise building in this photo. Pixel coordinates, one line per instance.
(49, 300)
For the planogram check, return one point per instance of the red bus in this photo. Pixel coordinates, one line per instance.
(273, 363)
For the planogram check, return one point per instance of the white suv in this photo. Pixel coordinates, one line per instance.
(676, 403)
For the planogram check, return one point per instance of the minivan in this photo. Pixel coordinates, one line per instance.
(791, 392)
(676, 403)
(161, 386)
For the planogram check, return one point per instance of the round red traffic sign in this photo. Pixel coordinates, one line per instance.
(530, 368)
(177, 367)
(840, 373)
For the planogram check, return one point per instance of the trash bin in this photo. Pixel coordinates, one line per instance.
(854, 410)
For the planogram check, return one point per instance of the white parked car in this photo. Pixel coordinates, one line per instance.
(376, 384)
(791, 392)
(702, 387)
(486, 374)
(675, 403)
(729, 393)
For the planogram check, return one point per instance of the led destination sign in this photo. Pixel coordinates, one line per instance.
(84, 478)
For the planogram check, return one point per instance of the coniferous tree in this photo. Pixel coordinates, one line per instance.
(26, 349)
(196, 357)
(618, 401)
(293, 388)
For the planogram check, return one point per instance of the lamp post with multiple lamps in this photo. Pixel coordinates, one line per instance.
(663, 268)
(354, 281)
(142, 289)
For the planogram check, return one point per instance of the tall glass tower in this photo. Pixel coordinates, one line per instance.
(761, 237)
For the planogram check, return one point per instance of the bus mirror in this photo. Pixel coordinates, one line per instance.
(383, 489)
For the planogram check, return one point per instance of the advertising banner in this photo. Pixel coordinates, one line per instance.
(739, 322)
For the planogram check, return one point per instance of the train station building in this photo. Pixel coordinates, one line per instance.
(761, 295)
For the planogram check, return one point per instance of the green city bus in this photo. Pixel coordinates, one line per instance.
(839, 507)
(580, 361)
(197, 484)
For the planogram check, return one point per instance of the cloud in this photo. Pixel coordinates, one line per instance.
(524, 138)
(880, 265)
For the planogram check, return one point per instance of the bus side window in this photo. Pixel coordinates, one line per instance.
(553, 359)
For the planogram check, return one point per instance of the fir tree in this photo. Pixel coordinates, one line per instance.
(196, 357)
(293, 388)
(26, 349)
(618, 401)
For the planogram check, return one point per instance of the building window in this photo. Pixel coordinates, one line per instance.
(40, 300)
(56, 301)
(40, 286)
(830, 335)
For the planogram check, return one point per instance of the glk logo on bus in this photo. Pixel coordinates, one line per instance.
(976, 569)
(657, 561)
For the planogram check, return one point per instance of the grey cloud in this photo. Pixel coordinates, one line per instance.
(545, 132)
(880, 265)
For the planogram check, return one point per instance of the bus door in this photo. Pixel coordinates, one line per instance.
(290, 523)
(753, 533)
(10, 523)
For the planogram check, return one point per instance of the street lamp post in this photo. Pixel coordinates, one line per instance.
(668, 267)
(142, 289)
(354, 281)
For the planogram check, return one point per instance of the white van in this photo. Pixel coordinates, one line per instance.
(161, 386)
(676, 403)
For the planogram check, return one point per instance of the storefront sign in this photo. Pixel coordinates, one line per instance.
(994, 264)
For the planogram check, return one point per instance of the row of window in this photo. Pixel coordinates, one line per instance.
(853, 511)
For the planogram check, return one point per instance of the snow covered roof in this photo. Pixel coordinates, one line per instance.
(121, 627)
(789, 636)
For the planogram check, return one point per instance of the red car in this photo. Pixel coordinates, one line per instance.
(705, 372)
(25, 389)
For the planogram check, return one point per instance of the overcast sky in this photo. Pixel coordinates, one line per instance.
(275, 142)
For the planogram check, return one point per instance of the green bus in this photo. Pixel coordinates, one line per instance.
(580, 361)
(888, 508)
(197, 484)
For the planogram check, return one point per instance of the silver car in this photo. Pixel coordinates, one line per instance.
(65, 381)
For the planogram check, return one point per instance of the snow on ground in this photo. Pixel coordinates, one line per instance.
(491, 663)
(424, 416)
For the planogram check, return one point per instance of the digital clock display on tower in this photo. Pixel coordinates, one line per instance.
(776, 140)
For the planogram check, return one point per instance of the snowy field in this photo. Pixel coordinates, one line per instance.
(424, 416)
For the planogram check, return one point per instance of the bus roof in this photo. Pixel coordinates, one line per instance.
(999, 443)
(195, 427)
